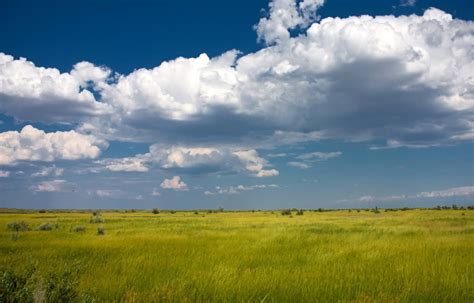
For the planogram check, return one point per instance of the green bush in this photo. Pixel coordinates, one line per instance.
(97, 219)
(45, 227)
(286, 212)
(17, 287)
(17, 226)
(79, 229)
(299, 212)
(100, 231)
(155, 211)
(61, 287)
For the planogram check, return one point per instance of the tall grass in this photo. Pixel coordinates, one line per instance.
(409, 256)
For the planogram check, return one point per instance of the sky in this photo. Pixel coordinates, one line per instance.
(241, 105)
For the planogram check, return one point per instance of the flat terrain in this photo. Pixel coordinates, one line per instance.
(395, 256)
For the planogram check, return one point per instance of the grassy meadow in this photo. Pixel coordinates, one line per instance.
(261, 256)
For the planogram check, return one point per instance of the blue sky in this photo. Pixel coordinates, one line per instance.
(245, 105)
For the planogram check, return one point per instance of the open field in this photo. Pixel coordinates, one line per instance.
(396, 256)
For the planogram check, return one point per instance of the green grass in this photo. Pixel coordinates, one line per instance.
(339, 256)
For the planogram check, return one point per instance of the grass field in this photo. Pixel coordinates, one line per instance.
(396, 256)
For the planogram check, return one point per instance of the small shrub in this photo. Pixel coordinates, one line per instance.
(97, 219)
(17, 226)
(196, 213)
(61, 287)
(45, 227)
(286, 212)
(172, 211)
(100, 231)
(96, 213)
(79, 229)
(155, 211)
(17, 287)
(299, 212)
(220, 209)
(376, 210)
(42, 211)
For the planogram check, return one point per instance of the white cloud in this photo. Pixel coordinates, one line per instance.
(267, 173)
(174, 183)
(4, 174)
(45, 94)
(155, 192)
(277, 155)
(32, 144)
(306, 160)
(110, 193)
(49, 171)
(318, 156)
(255, 164)
(50, 186)
(284, 16)
(300, 165)
(407, 2)
(195, 160)
(446, 193)
(451, 192)
(406, 80)
(129, 164)
(231, 190)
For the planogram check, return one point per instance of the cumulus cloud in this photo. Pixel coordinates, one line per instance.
(174, 183)
(195, 160)
(255, 164)
(404, 80)
(46, 93)
(4, 174)
(52, 186)
(31, 144)
(285, 16)
(49, 171)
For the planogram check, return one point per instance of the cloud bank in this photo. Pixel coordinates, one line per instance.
(407, 81)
